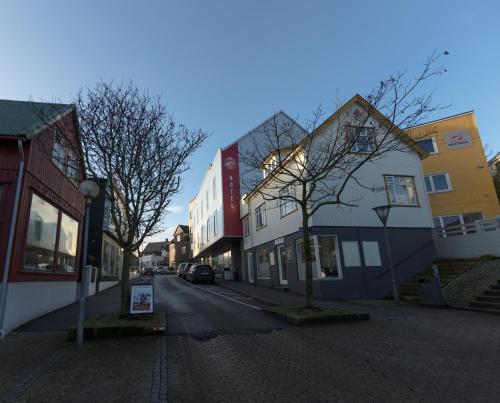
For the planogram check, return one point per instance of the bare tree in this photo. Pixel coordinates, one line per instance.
(314, 171)
(129, 138)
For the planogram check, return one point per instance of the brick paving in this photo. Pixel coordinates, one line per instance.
(445, 356)
(114, 370)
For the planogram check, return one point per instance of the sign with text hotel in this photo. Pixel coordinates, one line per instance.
(231, 191)
(458, 139)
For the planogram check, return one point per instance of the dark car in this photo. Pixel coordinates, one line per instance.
(148, 271)
(200, 273)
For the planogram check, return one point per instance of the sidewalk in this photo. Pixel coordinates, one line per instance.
(377, 309)
(104, 303)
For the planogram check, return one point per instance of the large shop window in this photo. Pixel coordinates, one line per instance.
(401, 190)
(46, 222)
(324, 258)
(263, 265)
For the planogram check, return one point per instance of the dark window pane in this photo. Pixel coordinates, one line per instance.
(427, 145)
(68, 239)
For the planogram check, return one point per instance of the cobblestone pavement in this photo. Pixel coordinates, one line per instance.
(114, 370)
(443, 356)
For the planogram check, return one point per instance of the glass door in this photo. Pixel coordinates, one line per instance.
(282, 264)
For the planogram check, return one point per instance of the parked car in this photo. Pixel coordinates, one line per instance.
(161, 270)
(170, 270)
(202, 273)
(182, 268)
(148, 271)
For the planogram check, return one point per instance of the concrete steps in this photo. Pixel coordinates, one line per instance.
(489, 301)
(449, 270)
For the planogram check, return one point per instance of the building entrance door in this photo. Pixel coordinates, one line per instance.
(282, 264)
(251, 278)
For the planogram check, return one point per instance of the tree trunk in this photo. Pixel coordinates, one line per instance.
(127, 259)
(308, 255)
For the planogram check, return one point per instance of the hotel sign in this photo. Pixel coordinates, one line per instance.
(231, 191)
(458, 139)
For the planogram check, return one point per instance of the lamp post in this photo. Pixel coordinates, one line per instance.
(383, 214)
(89, 190)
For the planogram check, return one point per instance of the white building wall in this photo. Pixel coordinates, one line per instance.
(29, 300)
(372, 174)
(151, 260)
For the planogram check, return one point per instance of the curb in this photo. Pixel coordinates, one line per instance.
(96, 332)
(334, 317)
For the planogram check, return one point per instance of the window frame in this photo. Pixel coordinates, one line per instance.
(245, 223)
(317, 263)
(431, 181)
(417, 201)
(434, 144)
(259, 208)
(55, 252)
(285, 202)
(350, 133)
(69, 155)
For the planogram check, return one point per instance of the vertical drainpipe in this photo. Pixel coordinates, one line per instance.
(8, 255)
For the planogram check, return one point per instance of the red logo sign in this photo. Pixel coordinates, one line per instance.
(230, 163)
(457, 137)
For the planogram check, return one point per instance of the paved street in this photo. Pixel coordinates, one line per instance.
(220, 347)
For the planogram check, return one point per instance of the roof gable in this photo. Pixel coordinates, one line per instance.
(26, 118)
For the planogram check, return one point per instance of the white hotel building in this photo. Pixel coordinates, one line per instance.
(214, 213)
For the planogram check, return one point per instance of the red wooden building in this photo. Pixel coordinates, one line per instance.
(40, 169)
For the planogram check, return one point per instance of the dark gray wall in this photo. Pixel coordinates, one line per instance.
(412, 251)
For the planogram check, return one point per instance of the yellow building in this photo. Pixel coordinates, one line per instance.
(457, 176)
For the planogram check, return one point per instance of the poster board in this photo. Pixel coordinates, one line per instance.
(141, 299)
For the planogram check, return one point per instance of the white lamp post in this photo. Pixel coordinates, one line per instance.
(89, 190)
(383, 214)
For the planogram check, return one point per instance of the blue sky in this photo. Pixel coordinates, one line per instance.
(225, 66)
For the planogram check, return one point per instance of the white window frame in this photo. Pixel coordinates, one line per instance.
(214, 187)
(287, 206)
(431, 181)
(412, 178)
(246, 225)
(317, 266)
(260, 211)
(357, 131)
(434, 144)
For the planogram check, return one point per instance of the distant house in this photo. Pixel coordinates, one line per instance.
(41, 209)
(180, 246)
(154, 254)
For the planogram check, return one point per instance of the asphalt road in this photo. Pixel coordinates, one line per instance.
(206, 311)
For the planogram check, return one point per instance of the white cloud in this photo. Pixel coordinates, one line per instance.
(175, 209)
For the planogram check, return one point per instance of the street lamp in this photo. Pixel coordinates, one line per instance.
(383, 214)
(89, 190)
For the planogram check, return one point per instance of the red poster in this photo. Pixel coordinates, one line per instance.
(231, 191)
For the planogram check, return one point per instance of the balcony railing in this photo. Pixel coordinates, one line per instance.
(470, 228)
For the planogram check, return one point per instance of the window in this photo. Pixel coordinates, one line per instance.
(178, 237)
(112, 259)
(401, 190)
(246, 225)
(351, 253)
(371, 253)
(208, 229)
(206, 198)
(437, 183)
(260, 214)
(214, 188)
(327, 252)
(363, 139)
(263, 267)
(64, 157)
(287, 205)
(466, 220)
(428, 145)
(216, 230)
(68, 239)
(47, 223)
(324, 258)
(183, 250)
(42, 234)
